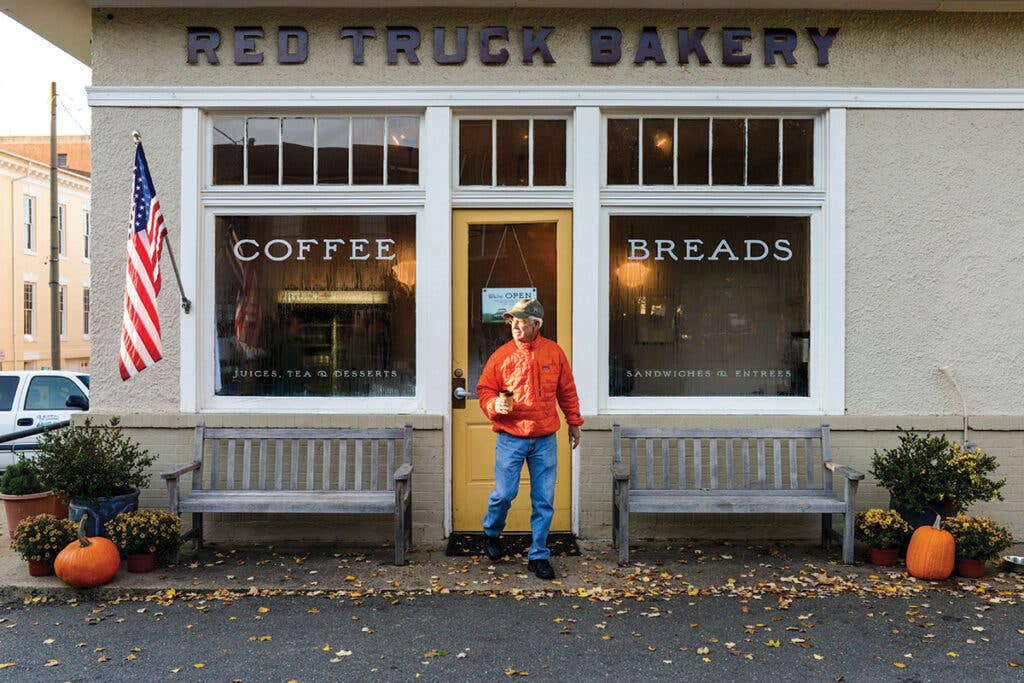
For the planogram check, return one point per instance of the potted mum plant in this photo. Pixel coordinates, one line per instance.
(143, 536)
(928, 476)
(883, 531)
(39, 539)
(978, 540)
(24, 496)
(99, 468)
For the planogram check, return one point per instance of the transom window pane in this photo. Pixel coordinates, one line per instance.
(736, 151)
(549, 153)
(709, 305)
(512, 152)
(315, 306)
(297, 151)
(328, 150)
(368, 151)
(262, 139)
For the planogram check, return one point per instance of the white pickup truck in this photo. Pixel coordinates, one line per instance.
(35, 398)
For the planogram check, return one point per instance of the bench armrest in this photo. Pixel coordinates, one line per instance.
(843, 471)
(403, 473)
(620, 471)
(177, 470)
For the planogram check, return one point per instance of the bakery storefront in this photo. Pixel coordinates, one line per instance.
(732, 218)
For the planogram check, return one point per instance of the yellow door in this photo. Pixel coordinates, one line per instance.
(496, 256)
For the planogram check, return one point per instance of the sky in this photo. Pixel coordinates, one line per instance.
(25, 84)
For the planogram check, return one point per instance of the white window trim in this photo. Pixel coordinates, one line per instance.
(32, 280)
(824, 204)
(62, 231)
(62, 317)
(87, 235)
(205, 313)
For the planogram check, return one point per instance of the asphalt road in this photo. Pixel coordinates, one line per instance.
(942, 637)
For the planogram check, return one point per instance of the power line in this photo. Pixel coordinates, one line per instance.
(60, 101)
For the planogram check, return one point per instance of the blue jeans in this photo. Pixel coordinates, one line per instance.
(541, 456)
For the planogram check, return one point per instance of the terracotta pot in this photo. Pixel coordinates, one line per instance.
(884, 558)
(40, 568)
(968, 568)
(18, 508)
(140, 562)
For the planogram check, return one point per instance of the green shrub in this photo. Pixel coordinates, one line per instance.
(88, 462)
(928, 470)
(20, 479)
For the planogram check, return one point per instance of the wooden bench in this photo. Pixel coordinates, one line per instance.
(298, 471)
(695, 471)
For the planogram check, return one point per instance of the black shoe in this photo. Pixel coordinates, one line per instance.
(542, 568)
(492, 548)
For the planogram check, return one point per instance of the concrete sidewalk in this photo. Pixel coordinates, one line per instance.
(786, 571)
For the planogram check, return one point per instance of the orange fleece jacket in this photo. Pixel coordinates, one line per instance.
(538, 375)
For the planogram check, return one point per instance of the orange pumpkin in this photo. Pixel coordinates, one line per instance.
(87, 562)
(932, 553)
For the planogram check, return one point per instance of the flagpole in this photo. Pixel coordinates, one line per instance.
(185, 303)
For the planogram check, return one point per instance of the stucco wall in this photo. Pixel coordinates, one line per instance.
(934, 261)
(914, 49)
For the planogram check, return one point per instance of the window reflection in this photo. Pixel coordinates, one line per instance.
(228, 153)
(368, 151)
(403, 150)
(475, 152)
(297, 151)
(263, 137)
(709, 306)
(315, 306)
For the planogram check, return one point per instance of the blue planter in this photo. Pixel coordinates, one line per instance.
(102, 511)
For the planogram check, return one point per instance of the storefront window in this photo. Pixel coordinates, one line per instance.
(512, 152)
(709, 306)
(315, 306)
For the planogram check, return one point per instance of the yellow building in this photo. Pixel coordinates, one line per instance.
(25, 270)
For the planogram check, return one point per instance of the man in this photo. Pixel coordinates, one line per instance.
(518, 390)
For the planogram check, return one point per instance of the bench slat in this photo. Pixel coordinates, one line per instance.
(746, 464)
(343, 465)
(374, 464)
(278, 463)
(215, 465)
(793, 483)
(359, 465)
(681, 457)
(713, 457)
(307, 433)
(761, 476)
(293, 480)
(721, 502)
(310, 466)
(288, 501)
(650, 462)
(728, 464)
(246, 463)
(263, 464)
(230, 469)
(632, 462)
(698, 466)
(665, 462)
(391, 465)
(327, 464)
(809, 458)
(777, 459)
(759, 433)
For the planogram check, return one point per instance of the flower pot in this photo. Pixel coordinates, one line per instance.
(918, 519)
(40, 568)
(102, 511)
(884, 557)
(18, 508)
(140, 562)
(968, 568)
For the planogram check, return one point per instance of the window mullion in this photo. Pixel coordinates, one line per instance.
(245, 152)
(351, 149)
(384, 173)
(494, 153)
(316, 150)
(530, 153)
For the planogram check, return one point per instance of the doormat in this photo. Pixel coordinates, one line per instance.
(561, 544)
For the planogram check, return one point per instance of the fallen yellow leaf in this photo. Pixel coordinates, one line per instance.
(8, 665)
(199, 665)
(899, 665)
(263, 610)
(952, 654)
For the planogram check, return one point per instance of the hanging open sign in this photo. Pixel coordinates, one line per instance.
(497, 300)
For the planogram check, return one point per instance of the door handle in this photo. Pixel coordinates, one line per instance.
(461, 394)
(24, 421)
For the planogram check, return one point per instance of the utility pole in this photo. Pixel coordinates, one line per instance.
(54, 238)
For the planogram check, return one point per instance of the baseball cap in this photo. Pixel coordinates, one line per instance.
(525, 308)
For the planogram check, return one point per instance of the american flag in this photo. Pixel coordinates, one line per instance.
(140, 330)
(248, 314)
